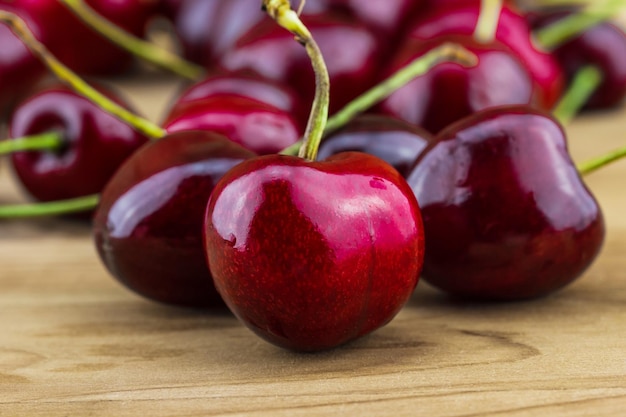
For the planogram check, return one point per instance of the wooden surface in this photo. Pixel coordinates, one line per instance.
(75, 342)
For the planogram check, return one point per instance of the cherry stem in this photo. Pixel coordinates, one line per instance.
(585, 83)
(147, 51)
(567, 28)
(488, 20)
(51, 208)
(447, 52)
(594, 164)
(281, 12)
(69, 77)
(46, 141)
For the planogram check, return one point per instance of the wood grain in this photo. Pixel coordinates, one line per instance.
(75, 342)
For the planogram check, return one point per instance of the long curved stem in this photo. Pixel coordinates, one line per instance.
(47, 141)
(145, 50)
(447, 52)
(69, 77)
(281, 12)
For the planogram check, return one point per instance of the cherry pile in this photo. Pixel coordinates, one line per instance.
(460, 176)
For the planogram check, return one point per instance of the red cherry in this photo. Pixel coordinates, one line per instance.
(603, 46)
(247, 85)
(208, 28)
(506, 214)
(96, 144)
(307, 254)
(351, 52)
(394, 141)
(512, 31)
(148, 226)
(19, 69)
(449, 91)
(72, 42)
(257, 126)
(386, 17)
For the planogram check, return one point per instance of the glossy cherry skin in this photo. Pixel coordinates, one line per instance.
(310, 255)
(386, 17)
(513, 31)
(506, 214)
(449, 92)
(350, 50)
(603, 46)
(19, 70)
(248, 85)
(257, 126)
(208, 28)
(148, 226)
(75, 44)
(96, 143)
(394, 141)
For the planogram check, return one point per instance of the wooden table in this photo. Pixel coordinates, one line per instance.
(75, 342)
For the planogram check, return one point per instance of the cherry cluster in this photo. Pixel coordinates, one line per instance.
(460, 175)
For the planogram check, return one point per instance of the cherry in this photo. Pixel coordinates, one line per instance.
(603, 46)
(19, 69)
(257, 126)
(306, 253)
(350, 49)
(449, 91)
(208, 28)
(512, 31)
(397, 142)
(94, 144)
(148, 225)
(506, 214)
(248, 85)
(386, 17)
(56, 27)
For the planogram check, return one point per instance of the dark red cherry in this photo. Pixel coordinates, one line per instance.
(603, 46)
(257, 126)
(310, 255)
(19, 69)
(208, 28)
(350, 51)
(148, 226)
(513, 31)
(449, 91)
(96, 144)
(247, 85)
(506, 214)
(77, 45)
(394, 141)
(386, 17)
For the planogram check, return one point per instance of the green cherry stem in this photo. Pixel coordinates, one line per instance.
(47, 141)
(488, 19)
(147, 51)
(585, 83)
(69, 77)
(567, 28)
(594, 164)
(281, 12)
(448, 52)
(51, 208)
